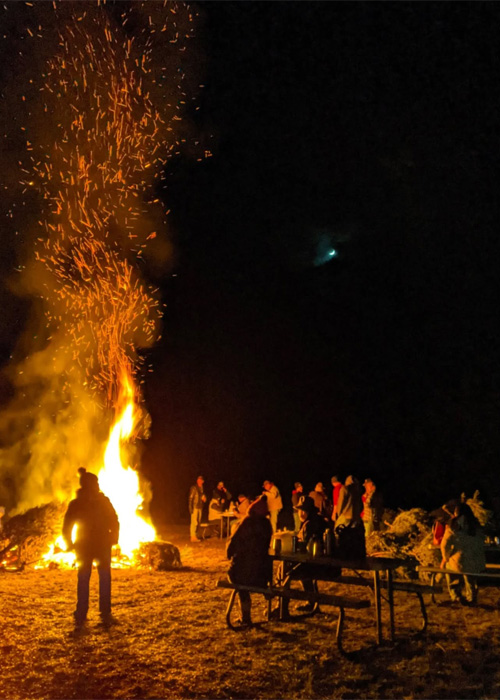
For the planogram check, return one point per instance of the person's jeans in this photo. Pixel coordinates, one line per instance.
(273, 517)
(195, 521)
(84, 573)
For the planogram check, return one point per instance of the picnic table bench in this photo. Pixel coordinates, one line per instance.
(489, 577)
(275, 591)
(415, 587)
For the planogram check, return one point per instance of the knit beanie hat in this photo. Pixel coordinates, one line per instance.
(88, 480)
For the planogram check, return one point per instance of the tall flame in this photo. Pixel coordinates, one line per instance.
(121, 483)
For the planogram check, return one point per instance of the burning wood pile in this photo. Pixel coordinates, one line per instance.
(27, 537)
(33, 539)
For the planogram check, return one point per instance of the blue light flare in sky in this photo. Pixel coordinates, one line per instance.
(324, 250)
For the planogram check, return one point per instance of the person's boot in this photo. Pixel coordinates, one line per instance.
(246, 618)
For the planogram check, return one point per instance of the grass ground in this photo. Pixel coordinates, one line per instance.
(171, 641)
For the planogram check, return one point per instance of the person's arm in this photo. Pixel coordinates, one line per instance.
(191, 499)
(114, 528)
(68, 523)
(447, 546)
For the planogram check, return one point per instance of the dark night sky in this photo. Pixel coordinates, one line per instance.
(373, 127)
(378, 124)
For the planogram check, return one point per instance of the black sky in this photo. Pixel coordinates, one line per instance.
(378, 123)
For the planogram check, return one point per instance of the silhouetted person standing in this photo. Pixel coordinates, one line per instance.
(97, 530)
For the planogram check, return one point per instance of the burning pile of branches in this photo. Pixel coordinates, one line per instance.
(26, 537)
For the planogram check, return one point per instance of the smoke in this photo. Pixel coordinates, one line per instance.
(94, 110)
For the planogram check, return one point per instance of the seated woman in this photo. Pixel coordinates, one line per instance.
(462, 548)
(239, 511)
(248, 550)
(219, 503)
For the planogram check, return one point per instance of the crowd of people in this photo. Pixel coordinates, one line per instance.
(349, 513)
(347, 504)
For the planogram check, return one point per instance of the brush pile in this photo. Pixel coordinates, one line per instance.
(158, 556)
(26, 537)
(409, 535)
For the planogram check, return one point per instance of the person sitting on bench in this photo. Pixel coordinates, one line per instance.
(248, 550)
(462, 548)
(312, 528)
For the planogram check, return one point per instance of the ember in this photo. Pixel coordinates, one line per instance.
(98, 144)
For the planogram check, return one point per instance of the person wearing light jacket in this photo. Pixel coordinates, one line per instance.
(274, 502)
(462, 548)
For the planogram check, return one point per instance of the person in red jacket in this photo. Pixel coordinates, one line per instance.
(337, 486)
(97, 530)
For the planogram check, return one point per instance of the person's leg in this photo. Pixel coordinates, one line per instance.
(470, 589)
(309, 586)
(453, 586)
(195, 521)
(104, 570)
(273, 517)
(246, 607)
(214, 528)
(368, 527)
(82, 590)
(296, 520)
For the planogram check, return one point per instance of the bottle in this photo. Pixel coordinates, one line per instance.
(328, 542)
(317, 550)
(295, 541)
(277, 545)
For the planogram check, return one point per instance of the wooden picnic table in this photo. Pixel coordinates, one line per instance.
(324, 568)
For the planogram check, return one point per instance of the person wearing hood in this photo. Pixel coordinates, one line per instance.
(248, 550)
(97, 530)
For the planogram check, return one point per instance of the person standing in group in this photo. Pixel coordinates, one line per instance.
(337, 486)
(196, 500)
(97, 530)
(373, 507)
(297, 494)
(349, 530)
(320, 499)
(274, 502)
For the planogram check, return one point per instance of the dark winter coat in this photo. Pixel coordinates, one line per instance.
(97, 524)
(195, 498)
(248, 550)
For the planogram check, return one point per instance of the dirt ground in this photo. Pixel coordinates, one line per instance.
(171, 641)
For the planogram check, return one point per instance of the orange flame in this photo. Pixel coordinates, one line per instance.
(121, 483)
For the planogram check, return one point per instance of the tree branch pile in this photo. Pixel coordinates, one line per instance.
(26, 537)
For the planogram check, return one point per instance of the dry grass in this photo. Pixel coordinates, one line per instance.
(171, 642)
